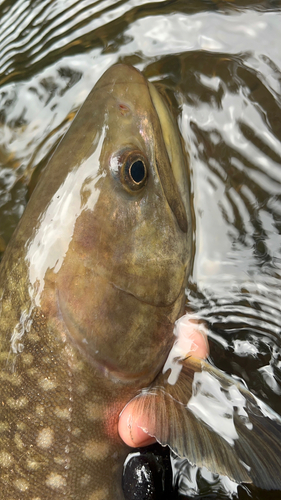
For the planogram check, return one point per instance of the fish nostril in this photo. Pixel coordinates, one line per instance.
(124, 109)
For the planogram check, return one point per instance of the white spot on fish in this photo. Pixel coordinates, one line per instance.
(85, 479)
(33, 372)
(4, 426)
(94, 450)
(64, 413)
(18, 441)
(13, 378)
(47, 384)
(33, 337)
(94, 411)
(27, 359)
(81, 389)
(6, 460)
(59, 460)
(17, 404)
(100, 494)
(55, 481)
(21, 426)
(40, 410)
(45, 438)
(21, 484)
(32, 464)
(76, 432)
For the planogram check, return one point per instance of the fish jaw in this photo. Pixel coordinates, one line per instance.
(91, 319)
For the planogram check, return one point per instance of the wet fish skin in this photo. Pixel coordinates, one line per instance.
(90, 285)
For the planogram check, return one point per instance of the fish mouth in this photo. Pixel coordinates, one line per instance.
(141, 298)
(78, 340)
(89, 349)
(143, 301)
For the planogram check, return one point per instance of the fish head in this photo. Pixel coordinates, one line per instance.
(122, 230)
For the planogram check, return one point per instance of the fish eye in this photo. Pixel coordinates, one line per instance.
(134, 170)
(137, 171)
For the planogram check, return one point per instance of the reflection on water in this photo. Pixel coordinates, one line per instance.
(220, 66)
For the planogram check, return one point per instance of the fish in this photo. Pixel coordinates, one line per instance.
(91, 285)
(87, 312)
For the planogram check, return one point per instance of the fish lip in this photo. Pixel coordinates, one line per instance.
(166, 304)
(140, 299)
(138, 80)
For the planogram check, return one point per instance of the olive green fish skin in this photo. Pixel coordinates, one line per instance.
(91, 284)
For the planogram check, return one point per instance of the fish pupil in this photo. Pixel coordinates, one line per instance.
(137, 171)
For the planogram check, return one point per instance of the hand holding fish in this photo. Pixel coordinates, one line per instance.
(192, 341)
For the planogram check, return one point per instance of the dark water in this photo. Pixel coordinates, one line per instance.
(220, 65)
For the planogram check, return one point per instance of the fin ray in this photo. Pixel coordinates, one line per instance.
(213, 421)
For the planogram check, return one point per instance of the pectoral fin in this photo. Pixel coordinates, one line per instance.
(213, 421)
